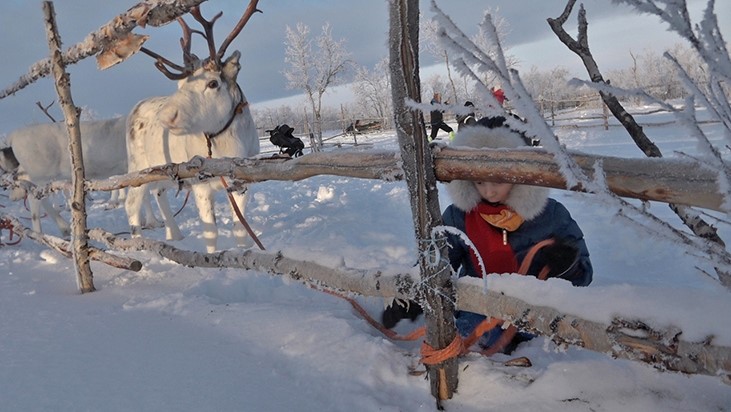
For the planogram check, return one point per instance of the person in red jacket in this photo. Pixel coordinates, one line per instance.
(499, 95)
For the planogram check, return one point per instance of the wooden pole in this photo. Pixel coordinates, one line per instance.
(436, 293)
(79, 237)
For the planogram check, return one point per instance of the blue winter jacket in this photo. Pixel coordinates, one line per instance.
(554, 221)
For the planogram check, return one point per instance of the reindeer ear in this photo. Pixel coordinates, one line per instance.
(231, 66)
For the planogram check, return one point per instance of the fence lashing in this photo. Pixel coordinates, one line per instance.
(5, 224)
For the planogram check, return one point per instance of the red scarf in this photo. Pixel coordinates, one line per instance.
(487, 226)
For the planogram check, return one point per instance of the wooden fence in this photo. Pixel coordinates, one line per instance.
(640, 178)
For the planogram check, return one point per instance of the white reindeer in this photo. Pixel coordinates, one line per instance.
(40, 154)
(208, 106)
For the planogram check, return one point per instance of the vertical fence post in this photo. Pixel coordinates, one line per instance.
(436, 290)
(79, 236)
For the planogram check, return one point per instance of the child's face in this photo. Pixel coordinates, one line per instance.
(494, 192)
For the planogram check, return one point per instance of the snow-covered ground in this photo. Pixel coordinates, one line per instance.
(173, 338)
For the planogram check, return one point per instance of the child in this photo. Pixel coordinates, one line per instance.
(504, 221)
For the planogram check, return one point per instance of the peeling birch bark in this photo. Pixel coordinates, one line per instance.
(630, 339)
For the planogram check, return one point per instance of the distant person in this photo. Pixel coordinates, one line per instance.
(437, 119)
(466, 119)
(499, 95)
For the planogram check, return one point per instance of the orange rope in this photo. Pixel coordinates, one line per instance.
(528, 259)
(237, 211)
(241, 215)
(458, 346)
(483, 327)
(431, 356)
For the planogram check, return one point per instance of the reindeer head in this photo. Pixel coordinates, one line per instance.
(208, 96)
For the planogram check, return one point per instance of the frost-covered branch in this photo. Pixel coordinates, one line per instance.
(686, 117)
(64, 246)
(626, 338)
(706, 38)
(494, 61)
(640, 217)
(152, 12)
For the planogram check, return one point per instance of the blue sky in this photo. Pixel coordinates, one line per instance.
(613, 32)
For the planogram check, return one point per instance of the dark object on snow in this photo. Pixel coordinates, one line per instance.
(562, 258)
(394, 313)
(359, 127)
(492, 122)
(281, 136)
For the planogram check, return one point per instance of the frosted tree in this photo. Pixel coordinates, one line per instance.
(313, 65)
(547, 87)
(429, 32)
(372, 89)
(653, 73)
(430, 44)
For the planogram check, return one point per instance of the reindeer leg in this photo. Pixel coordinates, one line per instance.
(35, 213)
(62, 224)
(151, 221)
(116, 198)
(204, 201)
(242, 238)
(172, 231)
(133, 207)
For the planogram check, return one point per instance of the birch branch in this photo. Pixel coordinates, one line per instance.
(64, 247)
(664, 180)
(624, 338)
(152, 12)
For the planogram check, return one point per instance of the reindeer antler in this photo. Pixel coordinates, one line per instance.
(189, 59)
(250, 10)
(217, 56)
(165, 65)
(208, 28)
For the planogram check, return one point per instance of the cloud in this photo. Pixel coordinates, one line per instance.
(363, 24)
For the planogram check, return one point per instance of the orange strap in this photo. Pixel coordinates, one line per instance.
(431, 356)
(528, 260)
(241, 215)
(237, 211)
(416, 334)
(458, 346)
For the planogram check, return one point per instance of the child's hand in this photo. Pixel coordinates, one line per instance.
(400, 310)
(562, 258)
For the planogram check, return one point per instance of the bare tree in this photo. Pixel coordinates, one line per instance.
(548, 88)
(655, 74)
(372, 90)
(313, 66)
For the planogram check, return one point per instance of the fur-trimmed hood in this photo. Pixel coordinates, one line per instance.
(527, 201)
